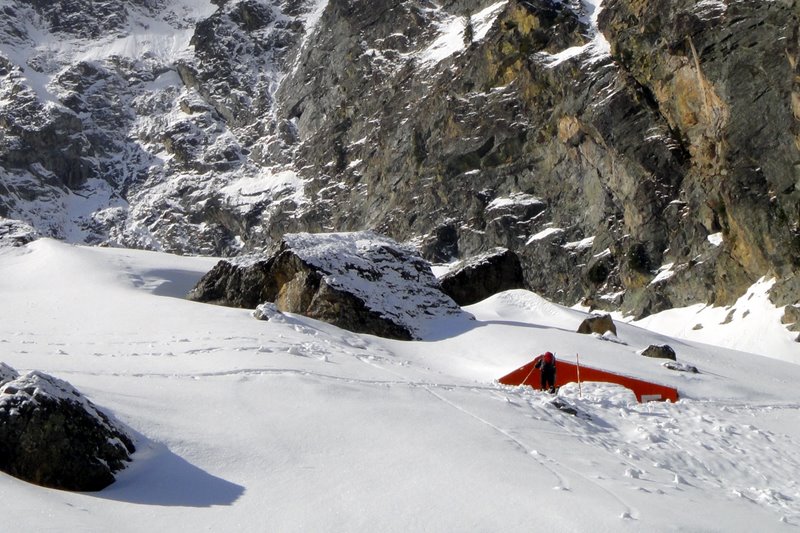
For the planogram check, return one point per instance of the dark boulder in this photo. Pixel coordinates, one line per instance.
(480, 277)
(235, 285)
(359, 281)
(659, 351)
(597, 324)
(53, 436)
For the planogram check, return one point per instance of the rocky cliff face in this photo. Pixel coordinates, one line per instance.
(637, 154)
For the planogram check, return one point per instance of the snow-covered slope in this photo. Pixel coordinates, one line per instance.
(295, 425)
(751, 324)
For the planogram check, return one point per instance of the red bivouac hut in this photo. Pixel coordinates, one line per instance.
(645, 391)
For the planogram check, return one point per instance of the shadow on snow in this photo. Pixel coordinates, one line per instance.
(159, 477)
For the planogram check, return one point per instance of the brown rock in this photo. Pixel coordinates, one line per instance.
(597, 324)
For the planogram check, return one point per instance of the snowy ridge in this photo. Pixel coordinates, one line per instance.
(751, 324)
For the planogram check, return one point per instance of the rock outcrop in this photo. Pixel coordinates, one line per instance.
(482, 276)
(357, 281)
(597, 324)
(724, 76)
(659, 351)
(791, 317)
(16, 233)
(236, 284)
(53, 436)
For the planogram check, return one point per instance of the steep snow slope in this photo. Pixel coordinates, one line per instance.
(751, 324)
(293, 425)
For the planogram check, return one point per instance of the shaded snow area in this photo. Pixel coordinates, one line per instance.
(389, 278)
(295, 425)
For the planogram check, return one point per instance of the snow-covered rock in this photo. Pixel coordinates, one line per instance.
(16, 233)
(659, 351)
(51, 435)
(7, 374)
(358, 281)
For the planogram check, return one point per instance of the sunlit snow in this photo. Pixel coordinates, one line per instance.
(294, 425)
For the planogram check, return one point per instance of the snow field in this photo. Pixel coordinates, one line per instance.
(294, 425)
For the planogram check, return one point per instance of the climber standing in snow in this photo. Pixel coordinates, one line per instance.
(547, 364)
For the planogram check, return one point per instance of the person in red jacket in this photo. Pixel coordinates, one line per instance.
(547, 364)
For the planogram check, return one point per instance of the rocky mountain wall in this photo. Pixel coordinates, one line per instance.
(637, 156)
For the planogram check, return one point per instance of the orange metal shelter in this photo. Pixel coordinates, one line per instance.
(645, 391)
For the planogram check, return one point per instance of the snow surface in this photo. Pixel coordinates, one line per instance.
(664, 273)
(294, 425)
(515, 199)
(582, 244)
(715, 239)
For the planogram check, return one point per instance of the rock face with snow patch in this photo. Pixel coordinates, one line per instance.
(16, 233)
(357, 281)
(483, 276)
(53, 436)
